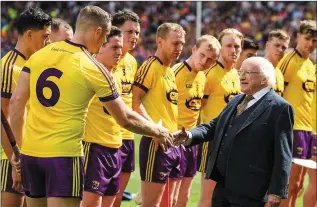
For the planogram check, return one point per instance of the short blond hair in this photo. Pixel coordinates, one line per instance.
(231, 31)
(92, 16)
(279, 34)
(308, 27)
(213, 43)
(165, 28)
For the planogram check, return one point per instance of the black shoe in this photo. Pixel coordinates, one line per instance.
(128, 196)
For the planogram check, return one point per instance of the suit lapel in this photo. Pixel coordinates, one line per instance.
(264, 103)
(227, 116)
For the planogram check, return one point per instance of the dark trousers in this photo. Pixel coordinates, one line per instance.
(225, 198)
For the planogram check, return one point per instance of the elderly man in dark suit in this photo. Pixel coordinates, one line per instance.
(252, 153)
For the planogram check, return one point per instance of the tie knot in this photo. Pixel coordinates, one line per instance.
(248, 98)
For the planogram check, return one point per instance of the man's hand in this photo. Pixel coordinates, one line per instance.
(273, 201)
(17, 181)
(16, 163)
(180, 137)
(165, 138)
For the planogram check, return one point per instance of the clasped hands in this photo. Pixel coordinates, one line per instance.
(167, 139)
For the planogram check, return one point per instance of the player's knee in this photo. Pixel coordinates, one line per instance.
(295, 187)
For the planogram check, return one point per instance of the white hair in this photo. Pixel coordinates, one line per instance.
(266, 68)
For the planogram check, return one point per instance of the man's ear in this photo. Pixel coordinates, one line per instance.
(264, 81)
(28, 34)
(98, 33)
(194, 49)
(159, 41)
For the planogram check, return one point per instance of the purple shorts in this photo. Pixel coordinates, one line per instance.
(6, 177)
(303, 144)
(188, 161)
(103, 168)
(127, 156)
(158, 166)
(52, 176)
(314, 145)
(202, 156)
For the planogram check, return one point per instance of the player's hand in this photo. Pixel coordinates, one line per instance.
(180, 137)
(165, 138)
(17, 181)
(273, 201)
(16, 163)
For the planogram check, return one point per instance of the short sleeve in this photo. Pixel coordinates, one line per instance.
(102, 83)
(287, 66)
(144, 76)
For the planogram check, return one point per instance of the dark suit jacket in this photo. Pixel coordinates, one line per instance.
(260, 157)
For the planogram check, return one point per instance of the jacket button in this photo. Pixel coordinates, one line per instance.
(230, 126)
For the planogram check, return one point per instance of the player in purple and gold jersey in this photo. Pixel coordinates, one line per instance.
(34, 29)
(129, 23)
(222, 83)
(102, 137)
(59, 89)
(155, 97)
(300, 80)
(275, 48)
(190, 81)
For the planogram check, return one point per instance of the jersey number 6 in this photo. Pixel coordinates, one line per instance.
(42, 83)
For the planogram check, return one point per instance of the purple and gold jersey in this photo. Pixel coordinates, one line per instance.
(160, 101)
(101, 128)
(190, 85)
(11, 66)
(279, 86)
(220, 86)
(300, 80)
(125, 71)
(63, 79)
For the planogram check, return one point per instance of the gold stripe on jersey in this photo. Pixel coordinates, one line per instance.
(86, 154)
(6, 86)
(4, 173)
(8, 66)
(150, 162)
(76, 177)
(204, 157)
(144, 69)
(287, 61)
(103, 71)
(181, 66)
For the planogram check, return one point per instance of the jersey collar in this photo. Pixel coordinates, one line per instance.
(76, 44)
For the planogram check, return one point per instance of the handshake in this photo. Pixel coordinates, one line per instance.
(166, 139)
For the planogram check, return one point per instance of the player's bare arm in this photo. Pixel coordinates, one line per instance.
(137, 105)
(4, 141)
(134, 122)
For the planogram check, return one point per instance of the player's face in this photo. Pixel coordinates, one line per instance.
(250, 78)
(131, 34)
(204, 57)
(230, 48)
(39, 38)
(247, 53)
(306, 43)
(275, 48)
(110, 53)
(173, 45)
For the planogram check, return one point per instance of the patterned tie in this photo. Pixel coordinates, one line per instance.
(241, 107)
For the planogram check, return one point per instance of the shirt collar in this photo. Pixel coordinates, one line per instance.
(258, 95)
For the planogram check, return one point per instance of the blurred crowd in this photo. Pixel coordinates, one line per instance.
(254, 19)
